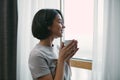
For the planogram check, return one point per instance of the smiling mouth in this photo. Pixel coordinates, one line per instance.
(61, 31)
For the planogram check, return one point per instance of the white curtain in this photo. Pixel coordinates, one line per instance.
(106, 48)
(25, 40)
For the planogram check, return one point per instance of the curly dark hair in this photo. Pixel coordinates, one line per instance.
(42, 20)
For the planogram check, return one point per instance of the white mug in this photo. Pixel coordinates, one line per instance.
(66, 42)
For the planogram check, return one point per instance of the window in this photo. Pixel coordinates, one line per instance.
(79, 20)
(78, 16)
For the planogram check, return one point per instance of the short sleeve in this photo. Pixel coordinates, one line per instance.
(38, 65)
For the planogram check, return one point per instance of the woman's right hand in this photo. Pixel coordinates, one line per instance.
(67, 52)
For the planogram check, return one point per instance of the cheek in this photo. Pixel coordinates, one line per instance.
(57, 28)
(54, 30)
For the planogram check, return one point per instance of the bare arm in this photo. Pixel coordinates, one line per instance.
(46, 77)
(64, 56)
(59, 70)
(59, 73)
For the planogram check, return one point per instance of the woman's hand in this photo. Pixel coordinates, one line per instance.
(67, 52)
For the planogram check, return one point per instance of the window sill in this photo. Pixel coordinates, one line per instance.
(81, 63)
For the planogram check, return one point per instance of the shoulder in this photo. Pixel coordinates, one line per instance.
(37, 51)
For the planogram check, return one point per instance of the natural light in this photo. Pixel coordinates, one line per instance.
(79, 19)
(79, 25)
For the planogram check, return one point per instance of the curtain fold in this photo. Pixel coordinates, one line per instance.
(112, 64)
(106, 51)
(8, 39)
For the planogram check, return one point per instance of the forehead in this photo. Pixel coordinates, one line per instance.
(58, 17)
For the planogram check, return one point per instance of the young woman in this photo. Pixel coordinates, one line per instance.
(44, 64)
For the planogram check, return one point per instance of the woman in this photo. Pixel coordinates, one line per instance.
(44, 64)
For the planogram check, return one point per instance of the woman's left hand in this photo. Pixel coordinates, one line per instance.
(67, 52)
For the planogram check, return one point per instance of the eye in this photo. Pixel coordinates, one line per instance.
(60, 21)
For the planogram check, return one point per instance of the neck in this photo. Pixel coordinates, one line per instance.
(47, 42)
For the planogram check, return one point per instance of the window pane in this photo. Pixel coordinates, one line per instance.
(78, 16)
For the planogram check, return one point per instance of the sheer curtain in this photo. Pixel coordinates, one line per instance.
(106, 48)
(25, 42)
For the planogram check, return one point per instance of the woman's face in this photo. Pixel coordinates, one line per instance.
(57, 27)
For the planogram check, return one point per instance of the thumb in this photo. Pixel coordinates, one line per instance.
(62, 45)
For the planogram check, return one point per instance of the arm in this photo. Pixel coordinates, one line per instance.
(68, 62)
(64, 56)
(46, 77)
(59, 72)
(66, 52)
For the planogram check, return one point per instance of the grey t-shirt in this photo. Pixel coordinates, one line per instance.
(43, 60)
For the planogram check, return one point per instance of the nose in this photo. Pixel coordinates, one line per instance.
(63, 26)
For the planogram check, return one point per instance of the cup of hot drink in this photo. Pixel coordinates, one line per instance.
(66, 42)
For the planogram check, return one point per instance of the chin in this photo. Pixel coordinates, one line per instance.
(58, 36)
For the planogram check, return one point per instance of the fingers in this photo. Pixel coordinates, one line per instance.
(66, 52)
(72, 45)
(62, 45)
(72, 54)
